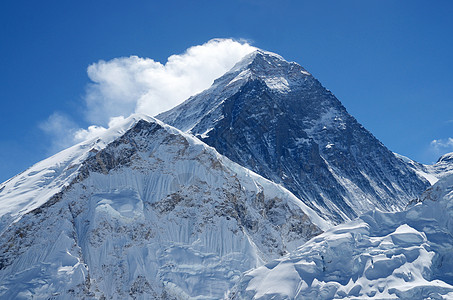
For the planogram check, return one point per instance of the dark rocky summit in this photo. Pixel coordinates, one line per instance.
(275, 118)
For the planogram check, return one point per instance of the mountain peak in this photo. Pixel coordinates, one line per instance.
(273, 117)
(259, 57)
(264, 64)
(277, 73)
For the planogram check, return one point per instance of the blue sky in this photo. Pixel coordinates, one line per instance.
(389, 62)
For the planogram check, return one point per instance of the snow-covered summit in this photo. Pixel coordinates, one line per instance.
(261, 62)
(255, 56)
(278, 74)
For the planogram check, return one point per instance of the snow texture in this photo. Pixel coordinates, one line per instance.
(401, 255)
(143, 212)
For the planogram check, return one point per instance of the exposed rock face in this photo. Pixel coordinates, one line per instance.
(155, 213)
(275, 118)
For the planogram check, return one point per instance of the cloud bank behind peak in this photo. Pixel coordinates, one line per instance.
(126, 85)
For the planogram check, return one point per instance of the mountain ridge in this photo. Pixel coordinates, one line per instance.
(443, 167)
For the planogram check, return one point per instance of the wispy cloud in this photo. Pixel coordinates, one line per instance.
(442, 146)
(94, 130)
(126, 85)
(61, 129)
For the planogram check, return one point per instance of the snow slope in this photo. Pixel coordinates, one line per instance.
(143, 212)
(35, 186)
(402, 255)
(273, 117)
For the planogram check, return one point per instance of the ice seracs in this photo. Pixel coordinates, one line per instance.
(403, 255)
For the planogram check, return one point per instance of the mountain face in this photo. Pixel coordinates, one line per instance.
(146, 211)
(273, 117)
(142, 212)
(400, 255)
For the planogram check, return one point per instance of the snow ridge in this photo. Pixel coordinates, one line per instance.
(33, 187)
(443, 167)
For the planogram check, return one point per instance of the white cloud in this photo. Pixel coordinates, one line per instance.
(442, 143)
(442, 146)
(126, 85)
(94, 130)
(65, 132)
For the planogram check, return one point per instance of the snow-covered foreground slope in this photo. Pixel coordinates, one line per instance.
(273, 117)
(155, 213)
(405, 255)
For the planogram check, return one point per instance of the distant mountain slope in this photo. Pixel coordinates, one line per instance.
(144, 211)
(443, 167)
(275, 118)
(403, 255)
